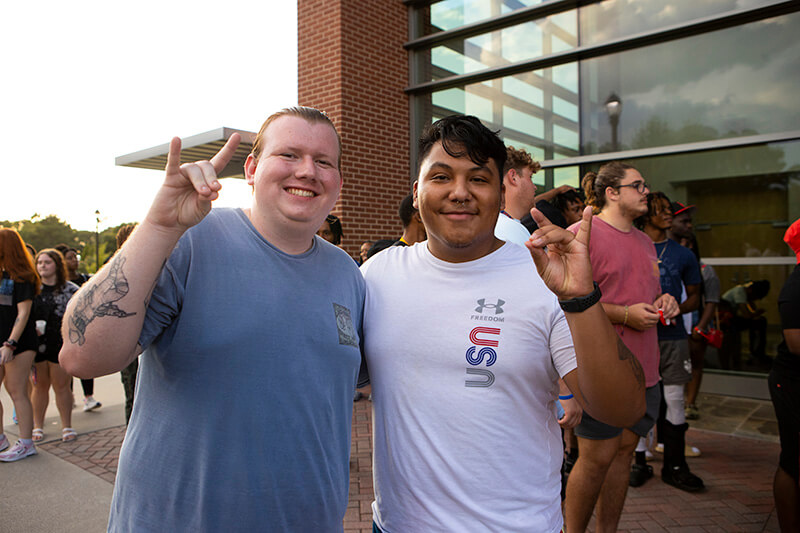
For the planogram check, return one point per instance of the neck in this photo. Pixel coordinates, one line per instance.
(614, 217)
(284, 237)
(461, 254)
(49, 280)
(408, 236)
(672, 236)
(515, 210)
(656, 234)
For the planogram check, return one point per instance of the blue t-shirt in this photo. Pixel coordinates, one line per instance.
(245, 391)
(677, 266)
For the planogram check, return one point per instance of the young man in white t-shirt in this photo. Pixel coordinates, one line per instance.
(489, 336)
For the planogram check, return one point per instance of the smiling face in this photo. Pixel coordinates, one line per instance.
(458, 201)
(296, 179)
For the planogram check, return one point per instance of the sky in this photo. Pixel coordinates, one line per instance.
(87, 81)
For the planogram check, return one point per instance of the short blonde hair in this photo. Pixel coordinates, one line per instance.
(309, 114)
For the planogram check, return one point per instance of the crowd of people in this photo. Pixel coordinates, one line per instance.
(35, 291)
(560, 329)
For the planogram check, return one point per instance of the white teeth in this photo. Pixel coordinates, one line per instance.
(300, 192)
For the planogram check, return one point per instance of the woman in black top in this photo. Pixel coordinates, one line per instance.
(48, 310)
(18, 286)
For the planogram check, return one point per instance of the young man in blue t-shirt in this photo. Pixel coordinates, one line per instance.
(243, 411)
(678, 270)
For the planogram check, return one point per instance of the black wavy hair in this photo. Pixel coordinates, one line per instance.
(462, 135)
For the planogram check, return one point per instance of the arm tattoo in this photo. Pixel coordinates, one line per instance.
(98, 300)
(625, 354)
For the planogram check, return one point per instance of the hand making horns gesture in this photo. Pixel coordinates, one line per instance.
(564, 265)
(188, 190)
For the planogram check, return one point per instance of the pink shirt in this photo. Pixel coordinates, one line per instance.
(625, 266)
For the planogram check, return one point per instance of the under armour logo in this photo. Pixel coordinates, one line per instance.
(498, 307)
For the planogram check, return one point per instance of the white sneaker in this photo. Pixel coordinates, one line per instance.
(90, 404)
(17, 452)
(3, 442)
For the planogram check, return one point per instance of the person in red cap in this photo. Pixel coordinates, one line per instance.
(784, 390)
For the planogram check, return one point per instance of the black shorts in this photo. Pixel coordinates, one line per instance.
(593, 429)
(785, 394)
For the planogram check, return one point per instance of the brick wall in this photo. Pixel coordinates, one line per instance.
(352, 65)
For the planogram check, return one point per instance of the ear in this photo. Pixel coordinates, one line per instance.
(250, 169)
(511, 177)
(415, 203)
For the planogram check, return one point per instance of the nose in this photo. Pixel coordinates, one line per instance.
(306, 168)
(460, 190)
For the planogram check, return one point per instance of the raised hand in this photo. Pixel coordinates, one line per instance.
(564, 263)
(188, 190)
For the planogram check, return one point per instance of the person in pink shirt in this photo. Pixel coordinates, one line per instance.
(625, 266)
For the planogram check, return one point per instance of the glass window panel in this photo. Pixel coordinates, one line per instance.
(516, 43)
(528, 124)
(450, 14)
(743, 83)
(737, 358)
(566, 76)
(565, 137)
(528, 107)
(566, 176)
(565, 109)
(614, 19)
(513, 86)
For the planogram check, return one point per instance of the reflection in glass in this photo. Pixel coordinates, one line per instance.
(516, 43)
(615, 19)
(743, 83)
(450, 14)
(530, 108)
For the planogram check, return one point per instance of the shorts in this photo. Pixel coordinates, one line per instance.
(593, 429)
(676, 362)
(785, 395)
(48, 355)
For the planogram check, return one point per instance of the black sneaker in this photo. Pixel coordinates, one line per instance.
(640, 474)
(680, 477)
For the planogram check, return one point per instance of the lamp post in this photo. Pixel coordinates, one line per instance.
(97, 241)
(614, 110)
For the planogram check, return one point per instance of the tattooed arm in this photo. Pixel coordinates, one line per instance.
(608, 382)
(102, 323)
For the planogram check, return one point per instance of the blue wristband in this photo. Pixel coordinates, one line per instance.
(566, 397)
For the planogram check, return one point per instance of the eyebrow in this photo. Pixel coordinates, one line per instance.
(448, 167)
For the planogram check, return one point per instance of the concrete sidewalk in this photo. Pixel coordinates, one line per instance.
(48, 492)
(67, 487)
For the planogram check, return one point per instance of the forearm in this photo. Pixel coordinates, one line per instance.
(792, 337)
(610, 378)
(23, 314)
(707, 315)
(615, 313)
(690, 304)
(102, 323)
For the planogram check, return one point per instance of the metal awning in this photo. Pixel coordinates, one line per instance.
(195, 148)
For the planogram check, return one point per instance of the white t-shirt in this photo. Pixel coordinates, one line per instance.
(511, 230)
(464, 360)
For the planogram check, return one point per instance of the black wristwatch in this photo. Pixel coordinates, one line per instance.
(577, 305)
(11, 343)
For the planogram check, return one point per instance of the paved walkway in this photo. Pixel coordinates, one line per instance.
(68, 486)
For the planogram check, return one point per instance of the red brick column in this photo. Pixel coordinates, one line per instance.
(352, 65)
